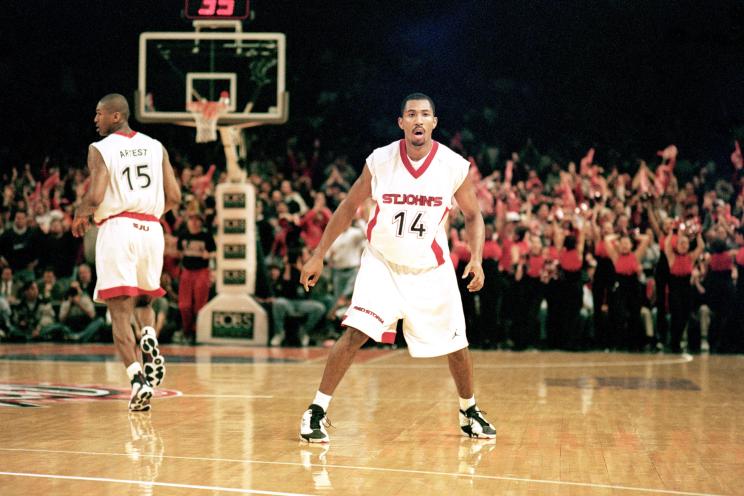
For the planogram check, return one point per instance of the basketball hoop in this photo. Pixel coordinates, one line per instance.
(206, 113)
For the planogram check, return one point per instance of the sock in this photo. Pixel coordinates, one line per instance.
(322, 400)
(466, 403)
(134, 369)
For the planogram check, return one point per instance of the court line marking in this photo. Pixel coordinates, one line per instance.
(241, 396)
(151, 483)
(479, 365)
(681, 359)
(378, 469)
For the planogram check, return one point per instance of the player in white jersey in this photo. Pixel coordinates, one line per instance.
(131, 185)
(405, 271)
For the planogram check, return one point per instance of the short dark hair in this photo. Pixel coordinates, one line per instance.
(417, 96)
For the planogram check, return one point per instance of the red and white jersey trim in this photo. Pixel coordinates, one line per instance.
(407, 225)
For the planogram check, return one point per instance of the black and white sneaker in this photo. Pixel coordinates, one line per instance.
(141, 394)
(313, 425)
(154, 362)
(474, 424)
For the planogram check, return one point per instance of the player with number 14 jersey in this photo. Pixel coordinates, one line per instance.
(413, 199)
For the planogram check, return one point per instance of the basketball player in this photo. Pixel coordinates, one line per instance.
(405, 271)
(131, 185)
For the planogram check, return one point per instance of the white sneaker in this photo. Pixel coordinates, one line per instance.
(474, 424)
(154, 362)
(277, 339)
(313, 425)
(139, 401)
(178, 338)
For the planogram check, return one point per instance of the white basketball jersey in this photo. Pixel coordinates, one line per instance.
(407, 225)
(135, 166)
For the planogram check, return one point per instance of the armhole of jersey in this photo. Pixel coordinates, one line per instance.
(162, 157)
(368, 163)
(103, 156)
(461, 180)
(373, 178)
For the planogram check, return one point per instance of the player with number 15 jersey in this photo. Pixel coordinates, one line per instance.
(131, 185)
(134, 162)
(129, 247)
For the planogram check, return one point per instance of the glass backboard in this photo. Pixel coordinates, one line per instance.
(176, 68)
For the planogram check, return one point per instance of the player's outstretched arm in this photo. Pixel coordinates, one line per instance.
(170, 185)
(99, 178)
(340, 221)
(474, 232)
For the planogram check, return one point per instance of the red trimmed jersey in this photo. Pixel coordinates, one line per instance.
(135, 165)
(407, 225)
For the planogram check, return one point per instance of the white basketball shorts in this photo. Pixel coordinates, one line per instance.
(428, 302)
(129, 258)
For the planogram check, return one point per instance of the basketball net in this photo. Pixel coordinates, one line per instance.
(206, 113)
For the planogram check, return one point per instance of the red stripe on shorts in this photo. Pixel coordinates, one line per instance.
(131, 215)
(388, 337)
(105, 294)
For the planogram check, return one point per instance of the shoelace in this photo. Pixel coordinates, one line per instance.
(476, 415)
(317, 417)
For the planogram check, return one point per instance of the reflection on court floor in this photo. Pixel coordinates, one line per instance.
(227, 419)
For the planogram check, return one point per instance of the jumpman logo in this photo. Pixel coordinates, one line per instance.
(455, 334)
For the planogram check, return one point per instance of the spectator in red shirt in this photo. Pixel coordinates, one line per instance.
(314, 221)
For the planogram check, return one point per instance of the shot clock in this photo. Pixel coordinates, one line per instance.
(216, 9)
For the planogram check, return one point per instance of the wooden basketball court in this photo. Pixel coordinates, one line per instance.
(228, 418)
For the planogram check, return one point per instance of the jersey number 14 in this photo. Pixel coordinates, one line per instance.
(416, 226)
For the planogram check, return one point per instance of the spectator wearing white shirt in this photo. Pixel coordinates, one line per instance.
(344, 258)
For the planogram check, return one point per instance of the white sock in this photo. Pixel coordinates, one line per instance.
(134, 369)
(466, 403)
(322, 400)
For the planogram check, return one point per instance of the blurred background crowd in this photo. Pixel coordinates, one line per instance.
(623, 255)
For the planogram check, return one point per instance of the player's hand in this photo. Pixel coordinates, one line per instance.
(311, 272)
(79, 226)
(476, 270)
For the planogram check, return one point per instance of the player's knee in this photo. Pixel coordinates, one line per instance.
(142, 301)
(356, 337)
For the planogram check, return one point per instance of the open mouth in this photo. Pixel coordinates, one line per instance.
(418, 131)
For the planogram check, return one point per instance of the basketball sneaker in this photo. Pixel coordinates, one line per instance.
(277, 339)
(313, 425)
(141, 394)
(154, 362)
(474, 424)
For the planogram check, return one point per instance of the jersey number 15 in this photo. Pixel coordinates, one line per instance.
(141, 176)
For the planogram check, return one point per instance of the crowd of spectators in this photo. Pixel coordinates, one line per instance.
(577, 256)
